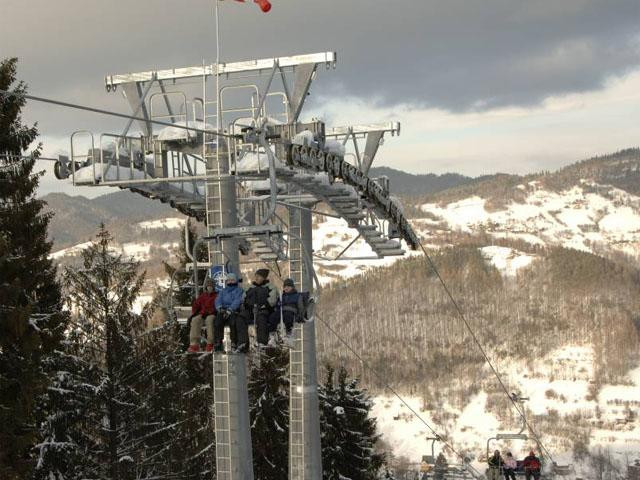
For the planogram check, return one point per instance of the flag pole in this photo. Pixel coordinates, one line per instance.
(218, 109)
(217, 68)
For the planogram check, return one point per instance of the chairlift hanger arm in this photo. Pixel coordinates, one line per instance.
(328, 58)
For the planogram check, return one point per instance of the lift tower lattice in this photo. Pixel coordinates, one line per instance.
(239, 181)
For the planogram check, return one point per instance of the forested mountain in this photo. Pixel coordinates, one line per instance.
(77, 218)
(545, 269)
(561, 326)
(403, 183)
(620, 170)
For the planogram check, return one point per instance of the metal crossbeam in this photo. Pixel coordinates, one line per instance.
(328, 58)
(249, 230)
(391, 127)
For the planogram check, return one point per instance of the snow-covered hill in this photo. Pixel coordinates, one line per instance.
(563, 385)
(588, 217)
(560, 384)
(158, 241)
(140, 251)
(330, 238)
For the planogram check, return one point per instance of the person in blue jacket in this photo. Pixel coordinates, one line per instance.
(290, 307)
(228, 305)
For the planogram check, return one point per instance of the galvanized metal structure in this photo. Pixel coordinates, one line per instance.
(254, 182)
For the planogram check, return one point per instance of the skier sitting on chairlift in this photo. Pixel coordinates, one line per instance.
(203, 309)
(290, 307)
(228, 305)
(532, 466)
(495, 466)
(259, 302)
(510, 467)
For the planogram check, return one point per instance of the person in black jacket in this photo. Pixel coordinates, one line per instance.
(290, 307)
(495, 466)
(259, 302)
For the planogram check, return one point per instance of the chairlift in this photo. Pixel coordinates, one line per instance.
(562, 470)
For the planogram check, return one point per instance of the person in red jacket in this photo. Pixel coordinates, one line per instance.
(532, 466)
(204, 307)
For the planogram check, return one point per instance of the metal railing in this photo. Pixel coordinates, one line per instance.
(86, 158)
(124, 144)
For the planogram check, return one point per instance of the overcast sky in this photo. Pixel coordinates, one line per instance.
(479, 86)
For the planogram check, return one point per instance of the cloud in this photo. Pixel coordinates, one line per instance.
(561, 130)
(455, 55)
(479, 86)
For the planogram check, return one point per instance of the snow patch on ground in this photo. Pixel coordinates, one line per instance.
(407, 434)
(140, 302)
(139, 251)
(330, 237)
(70, 251)
(507, 260)
(575, 218)
(169, 223)
(461, 215)
(559, 383)
(400, 428)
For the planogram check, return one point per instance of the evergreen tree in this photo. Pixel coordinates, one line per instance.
(182, 295)
(102, 295)
(196, 434)
(177, 407)
(386, 474)
(348, 432)
(330, 425)
(126, 403)
(69, 449)
(269, 404)
(31, 322)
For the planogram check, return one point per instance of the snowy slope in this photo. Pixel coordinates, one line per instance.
(139, 251)
(505, 259)
(70, 251)
(558, 384)
(330, 238)
(585, 217)
(168, 223)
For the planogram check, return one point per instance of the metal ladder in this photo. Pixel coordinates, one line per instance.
(296, 270)
(222, 416)
(305, 462)
(296, 357)
(296, 408)
(214, 188)
(234, 458)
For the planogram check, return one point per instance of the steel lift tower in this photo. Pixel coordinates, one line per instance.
(254, 183)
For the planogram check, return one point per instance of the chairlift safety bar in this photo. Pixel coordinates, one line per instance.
(512, 436)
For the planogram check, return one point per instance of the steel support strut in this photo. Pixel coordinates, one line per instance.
(234, 456)
(305, 459)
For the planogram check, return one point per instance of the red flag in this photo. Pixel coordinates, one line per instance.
(264, 5)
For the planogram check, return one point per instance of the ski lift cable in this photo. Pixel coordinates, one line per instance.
(429, 261)
(76, 106)
(306, 255)
(431, 264)
(388, 387)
